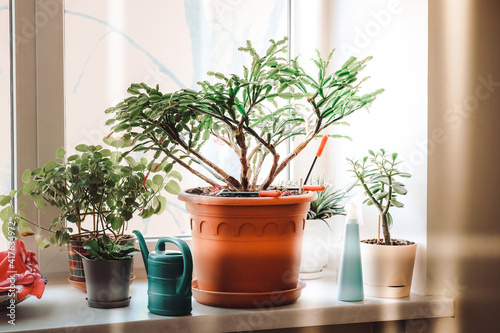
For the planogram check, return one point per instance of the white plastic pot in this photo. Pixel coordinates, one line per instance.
(316, 246)
(387, 270)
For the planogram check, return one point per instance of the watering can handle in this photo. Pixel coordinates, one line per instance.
(184, 283)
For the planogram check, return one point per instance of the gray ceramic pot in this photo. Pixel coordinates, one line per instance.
(108, 282)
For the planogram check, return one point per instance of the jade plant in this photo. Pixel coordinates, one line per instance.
(96, 184)
(381, 182)
(273, 100)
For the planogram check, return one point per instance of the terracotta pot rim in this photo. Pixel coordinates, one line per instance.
(254, 201)
(391, 246)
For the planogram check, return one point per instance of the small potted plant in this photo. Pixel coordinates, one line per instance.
(272, 101)
(108, 266)
(318, 233)
(388, 263)
(97, 191)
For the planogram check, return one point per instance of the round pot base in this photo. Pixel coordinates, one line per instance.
(387, 292)
(247, 300)
(311, 275)
(109, 305)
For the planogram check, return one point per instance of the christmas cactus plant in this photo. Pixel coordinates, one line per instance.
(273, 100)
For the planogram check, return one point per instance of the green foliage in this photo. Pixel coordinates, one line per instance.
(107, 248)
(273, 100)
(381, 182)
(328, 203)
(97, 184)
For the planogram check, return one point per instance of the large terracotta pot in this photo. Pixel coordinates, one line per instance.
(247, 245)
(387, 270)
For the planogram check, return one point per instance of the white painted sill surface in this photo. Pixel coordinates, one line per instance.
(64, 309)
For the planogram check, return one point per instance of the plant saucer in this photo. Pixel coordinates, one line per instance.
(247, 300)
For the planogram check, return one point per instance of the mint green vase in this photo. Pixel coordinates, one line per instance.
(350, 278)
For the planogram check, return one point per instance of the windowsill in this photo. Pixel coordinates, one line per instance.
(62, 308)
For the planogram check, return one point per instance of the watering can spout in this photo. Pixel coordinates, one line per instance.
(144, 248)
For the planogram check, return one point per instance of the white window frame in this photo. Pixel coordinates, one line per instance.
(38, 101)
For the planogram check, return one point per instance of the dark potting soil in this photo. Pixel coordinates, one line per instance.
(213, 191)
(395, 242)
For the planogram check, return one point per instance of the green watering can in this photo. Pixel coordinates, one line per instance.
(169, 277)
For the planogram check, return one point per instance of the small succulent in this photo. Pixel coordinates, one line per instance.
(328, 203)
(380, 179)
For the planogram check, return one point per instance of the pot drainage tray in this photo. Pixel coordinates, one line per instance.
(108, 305)
(247, 300)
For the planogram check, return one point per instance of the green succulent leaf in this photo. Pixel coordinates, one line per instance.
(176, 175)
(26, 176)
(60, 152)
(399, 189)
(81, 148)
(116, 223)
(6, 213)
(50, 166)
(172, 187)
(158, 180)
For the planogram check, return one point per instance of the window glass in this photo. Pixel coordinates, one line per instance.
(111, 44)
(395, 34)
(5, 106)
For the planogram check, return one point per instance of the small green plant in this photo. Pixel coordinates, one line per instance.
(378, 175)
(107, 248)
(273, 100)
(97, 184)
(328, 203)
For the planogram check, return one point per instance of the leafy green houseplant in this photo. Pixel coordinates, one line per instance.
(97, 182)
(387, 266)
(96, 191)
(380, 179)
(271, 101)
